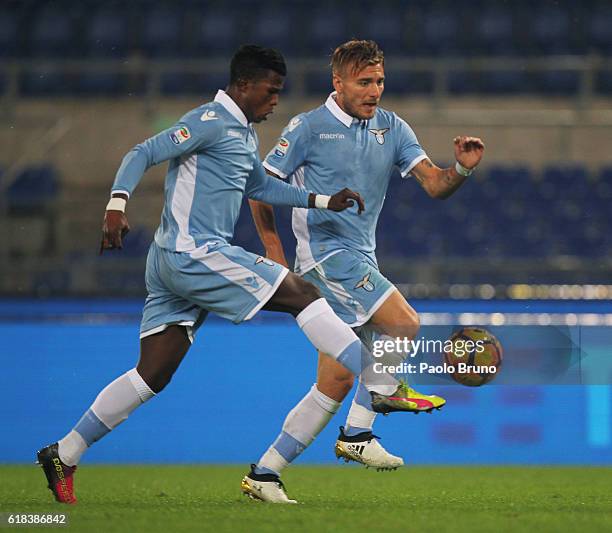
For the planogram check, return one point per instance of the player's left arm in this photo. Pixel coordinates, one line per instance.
(185, 137)
(442, 182)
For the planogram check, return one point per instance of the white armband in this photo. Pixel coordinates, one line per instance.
(116, 204)
(321, 201)
(461, 170)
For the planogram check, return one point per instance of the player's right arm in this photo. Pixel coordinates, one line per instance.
(187, 136)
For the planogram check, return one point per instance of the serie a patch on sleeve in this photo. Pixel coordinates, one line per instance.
(281, 147)
(181, 135)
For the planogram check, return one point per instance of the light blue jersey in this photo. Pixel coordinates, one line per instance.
(191, 267)
(325, 150)
(213, 162)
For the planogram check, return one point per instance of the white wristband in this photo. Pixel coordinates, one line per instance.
(321, 201)
(461, 170)
(116, 204)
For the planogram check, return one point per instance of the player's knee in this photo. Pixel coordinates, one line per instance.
(295, 294)
(310, 291)
(162, 381)
(157, 379)
(306, 293)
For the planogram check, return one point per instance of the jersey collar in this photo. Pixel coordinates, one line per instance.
(224, 99)
(335, 110)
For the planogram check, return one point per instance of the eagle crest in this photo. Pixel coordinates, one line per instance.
(380, 135)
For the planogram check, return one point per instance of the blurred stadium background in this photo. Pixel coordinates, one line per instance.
(529, 236)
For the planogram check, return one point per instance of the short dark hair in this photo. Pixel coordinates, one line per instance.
(251, 62)
(357, 55)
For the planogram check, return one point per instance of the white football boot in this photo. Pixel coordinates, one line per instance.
(264, 487)
(364, 448)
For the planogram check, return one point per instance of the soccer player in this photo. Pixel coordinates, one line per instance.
(191, 267)
(351, 141)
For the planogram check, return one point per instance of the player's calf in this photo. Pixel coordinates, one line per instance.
(333, 379)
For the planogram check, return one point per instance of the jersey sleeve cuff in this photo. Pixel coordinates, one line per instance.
(122, 191)
(413, 164)
(269, 167)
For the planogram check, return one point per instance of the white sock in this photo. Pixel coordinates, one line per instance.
(71, 447)
(360, 416)
(329, 334)
(112, 406)
(303, 423)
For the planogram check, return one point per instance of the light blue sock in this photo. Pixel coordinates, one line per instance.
(91, 428)
(301, 426)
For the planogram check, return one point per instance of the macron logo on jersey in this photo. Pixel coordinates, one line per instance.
(265, 261)
(208, 115)
(331, 136)
(294, 123)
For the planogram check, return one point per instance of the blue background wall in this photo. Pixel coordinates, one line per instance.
(228, 399)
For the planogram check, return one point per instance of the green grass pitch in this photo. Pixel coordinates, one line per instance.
(345, 498)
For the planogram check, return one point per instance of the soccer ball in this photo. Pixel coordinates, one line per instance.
(475, 357)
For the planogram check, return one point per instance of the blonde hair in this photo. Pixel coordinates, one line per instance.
(357, 55)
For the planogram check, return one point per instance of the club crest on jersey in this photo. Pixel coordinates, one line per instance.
(365, 283)
(181, 135)
(379, 134)
(263, 260)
